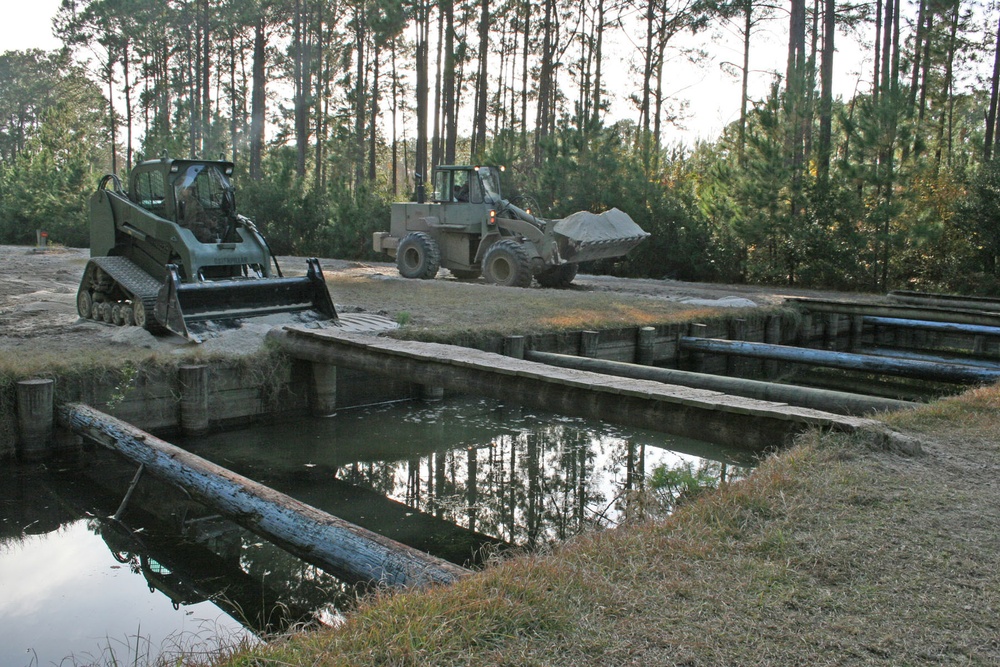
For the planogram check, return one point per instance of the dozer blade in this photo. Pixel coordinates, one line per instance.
(585, 236)
(179, 304)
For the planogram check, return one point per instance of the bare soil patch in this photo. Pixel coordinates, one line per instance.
(38, 317)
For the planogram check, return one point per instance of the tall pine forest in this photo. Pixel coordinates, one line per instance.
(331, 108)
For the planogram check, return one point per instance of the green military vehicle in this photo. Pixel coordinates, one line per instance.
(468, 228)
(171, 253)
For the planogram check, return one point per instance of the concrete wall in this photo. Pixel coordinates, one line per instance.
(238, 394)
(241, 393)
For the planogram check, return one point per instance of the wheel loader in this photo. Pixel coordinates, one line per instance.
(468, 228)
(171, 253)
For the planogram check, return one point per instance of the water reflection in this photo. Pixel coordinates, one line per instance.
(170, 579)
(459, 479)
(505, 474)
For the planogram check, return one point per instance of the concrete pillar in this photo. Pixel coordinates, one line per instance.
(589, 340)
(696, 360)
(772, 335)
(645, 346)
(979, 345)
(324, 394)
(831, 325)
(805, 333)
(35, 418)
(513, 346)
(737, 331)
(430, 393)
(194, 399)
(857, 331)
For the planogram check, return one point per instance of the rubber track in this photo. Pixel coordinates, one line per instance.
(136, 282)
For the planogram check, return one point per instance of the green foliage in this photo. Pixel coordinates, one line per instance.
(596, 169)
(300, 219)
(674, 485)
(975, 264)
(53, 154)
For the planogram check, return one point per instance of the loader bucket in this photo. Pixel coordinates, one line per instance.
(585, 236)
(180, 305)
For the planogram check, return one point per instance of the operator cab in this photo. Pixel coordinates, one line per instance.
(204, 201)
(197, 195)
(473, 185)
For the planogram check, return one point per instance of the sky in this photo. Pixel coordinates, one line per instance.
(711, 93)
(27, 24)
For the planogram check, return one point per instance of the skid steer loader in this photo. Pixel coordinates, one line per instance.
(470, 229)
(171, 253)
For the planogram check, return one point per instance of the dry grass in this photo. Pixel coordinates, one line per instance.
(833, 553)
(446, 309)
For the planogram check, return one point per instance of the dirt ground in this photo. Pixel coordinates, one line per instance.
(38, 301)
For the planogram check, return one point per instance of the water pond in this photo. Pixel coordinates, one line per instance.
(463, 479)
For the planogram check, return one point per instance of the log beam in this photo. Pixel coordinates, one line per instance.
(924, 370)
(820, 399)
(339, 547)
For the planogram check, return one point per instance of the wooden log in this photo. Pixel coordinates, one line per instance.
(857, 362)
(991, 364)
(341, 548)
(820, 399)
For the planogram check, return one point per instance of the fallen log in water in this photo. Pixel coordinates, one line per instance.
(339, 547)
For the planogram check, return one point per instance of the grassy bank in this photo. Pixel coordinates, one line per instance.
(833, 552)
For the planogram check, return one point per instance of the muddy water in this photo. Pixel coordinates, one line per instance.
(462, 478)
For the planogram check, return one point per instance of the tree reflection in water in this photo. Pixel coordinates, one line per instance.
(548, 479)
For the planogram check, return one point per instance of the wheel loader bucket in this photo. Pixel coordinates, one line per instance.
(181, 307)
(585, 236)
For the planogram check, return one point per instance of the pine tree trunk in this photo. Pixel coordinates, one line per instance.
(423, 78)
(258, 99)
(373, 125)
(546, 84)
(126, 75)
(449, 124)
(747, 27)
(482, 80)
(360, 94)
(436, 140)
(598, 62)
(206, 78)
(991, 116)
(525, 72)
(300, 66)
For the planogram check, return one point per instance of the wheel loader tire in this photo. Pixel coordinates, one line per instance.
(558, 276)
(507, 263)
(418, 256)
